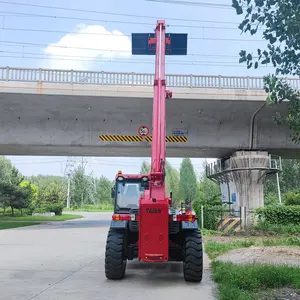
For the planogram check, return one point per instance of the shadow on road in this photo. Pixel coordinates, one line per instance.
(69, 225)
(160, 274)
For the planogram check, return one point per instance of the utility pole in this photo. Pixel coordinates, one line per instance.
(69, 170)
(278, 185)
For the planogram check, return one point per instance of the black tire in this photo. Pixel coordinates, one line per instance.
(193, 257)
(115, 263)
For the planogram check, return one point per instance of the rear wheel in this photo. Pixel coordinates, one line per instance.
(115, 263)
(193, 257)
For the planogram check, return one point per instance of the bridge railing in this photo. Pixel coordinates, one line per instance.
(271, 163)
(134, 79)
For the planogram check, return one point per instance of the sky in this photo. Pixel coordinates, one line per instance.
(95, 35)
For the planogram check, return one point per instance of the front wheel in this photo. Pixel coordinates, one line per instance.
(193, 257)
(115, 263)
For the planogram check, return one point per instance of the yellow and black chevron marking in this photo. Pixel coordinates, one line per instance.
(120, 138)
(229, 224)
(139, 139)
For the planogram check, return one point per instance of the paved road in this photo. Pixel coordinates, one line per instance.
(65, 261)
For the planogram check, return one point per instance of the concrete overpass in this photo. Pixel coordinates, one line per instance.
(63, 112)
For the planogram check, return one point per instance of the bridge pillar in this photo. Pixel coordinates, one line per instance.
(242, 178)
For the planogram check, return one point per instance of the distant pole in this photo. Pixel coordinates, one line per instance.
(68, 195)
(69, 170)
(202, 217)
(278, 186)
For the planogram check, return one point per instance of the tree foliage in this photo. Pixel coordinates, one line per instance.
(145, 168)
(14, 193)
(188, 181)
(209, 192)
(280, 215)
(103, 190)
(280, 21)
(172, 183)
(82, 188)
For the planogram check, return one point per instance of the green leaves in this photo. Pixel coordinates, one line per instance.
(188, 180)
(146, 168)
(259, 3)
(281, 31)
(280, 215)
(238, 8)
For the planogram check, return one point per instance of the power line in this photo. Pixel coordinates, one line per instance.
(88, 58)
(191, 26)
(116, 35)
(112, 35)
(190, 3)
(148, 24)
(109, 50)
(125, 61)
(109, 13)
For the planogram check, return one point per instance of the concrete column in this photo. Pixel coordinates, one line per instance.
(244, 174)
(248, 171)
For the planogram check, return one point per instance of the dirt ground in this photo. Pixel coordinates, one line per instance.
(259, 254)
(268, 255)
(279, 294)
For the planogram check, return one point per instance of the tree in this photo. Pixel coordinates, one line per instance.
(188, 181)
(52, 198)
(289, 178)
(80, 188)
(43, 180)
(280, 20)
(145, 168)
(103, 190)
(209, 192)
(172, 183)
(12, 193)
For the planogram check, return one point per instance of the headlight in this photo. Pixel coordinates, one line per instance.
(120, 178)
(145, 178)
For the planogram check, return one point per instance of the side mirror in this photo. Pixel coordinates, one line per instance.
(113, 192)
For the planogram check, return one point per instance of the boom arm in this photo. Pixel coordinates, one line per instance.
(159, 107)
(154, 204)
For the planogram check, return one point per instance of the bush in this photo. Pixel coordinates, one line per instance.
(280, 215)
(292, 198)
(281, 229)
(57, 208)
(271, 199)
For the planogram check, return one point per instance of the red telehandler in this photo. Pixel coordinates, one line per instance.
(144, 224)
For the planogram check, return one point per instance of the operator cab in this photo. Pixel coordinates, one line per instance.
(127, 190)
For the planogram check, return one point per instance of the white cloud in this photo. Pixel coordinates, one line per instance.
(101, 44)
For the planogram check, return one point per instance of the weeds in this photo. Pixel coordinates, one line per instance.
(243, 282)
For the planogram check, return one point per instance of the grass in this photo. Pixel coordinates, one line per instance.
(208, 232)
(92, 208)
(7, 225)
(244, 282)
(213, 249)
(63, 217)
(281, 229)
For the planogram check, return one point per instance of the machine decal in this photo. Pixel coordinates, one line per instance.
(139, 139)
(153, 210)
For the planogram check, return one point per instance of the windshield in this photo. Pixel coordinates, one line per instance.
(128, 194)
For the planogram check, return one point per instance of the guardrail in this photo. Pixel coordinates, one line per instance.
(133, 79)
(271, 163)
